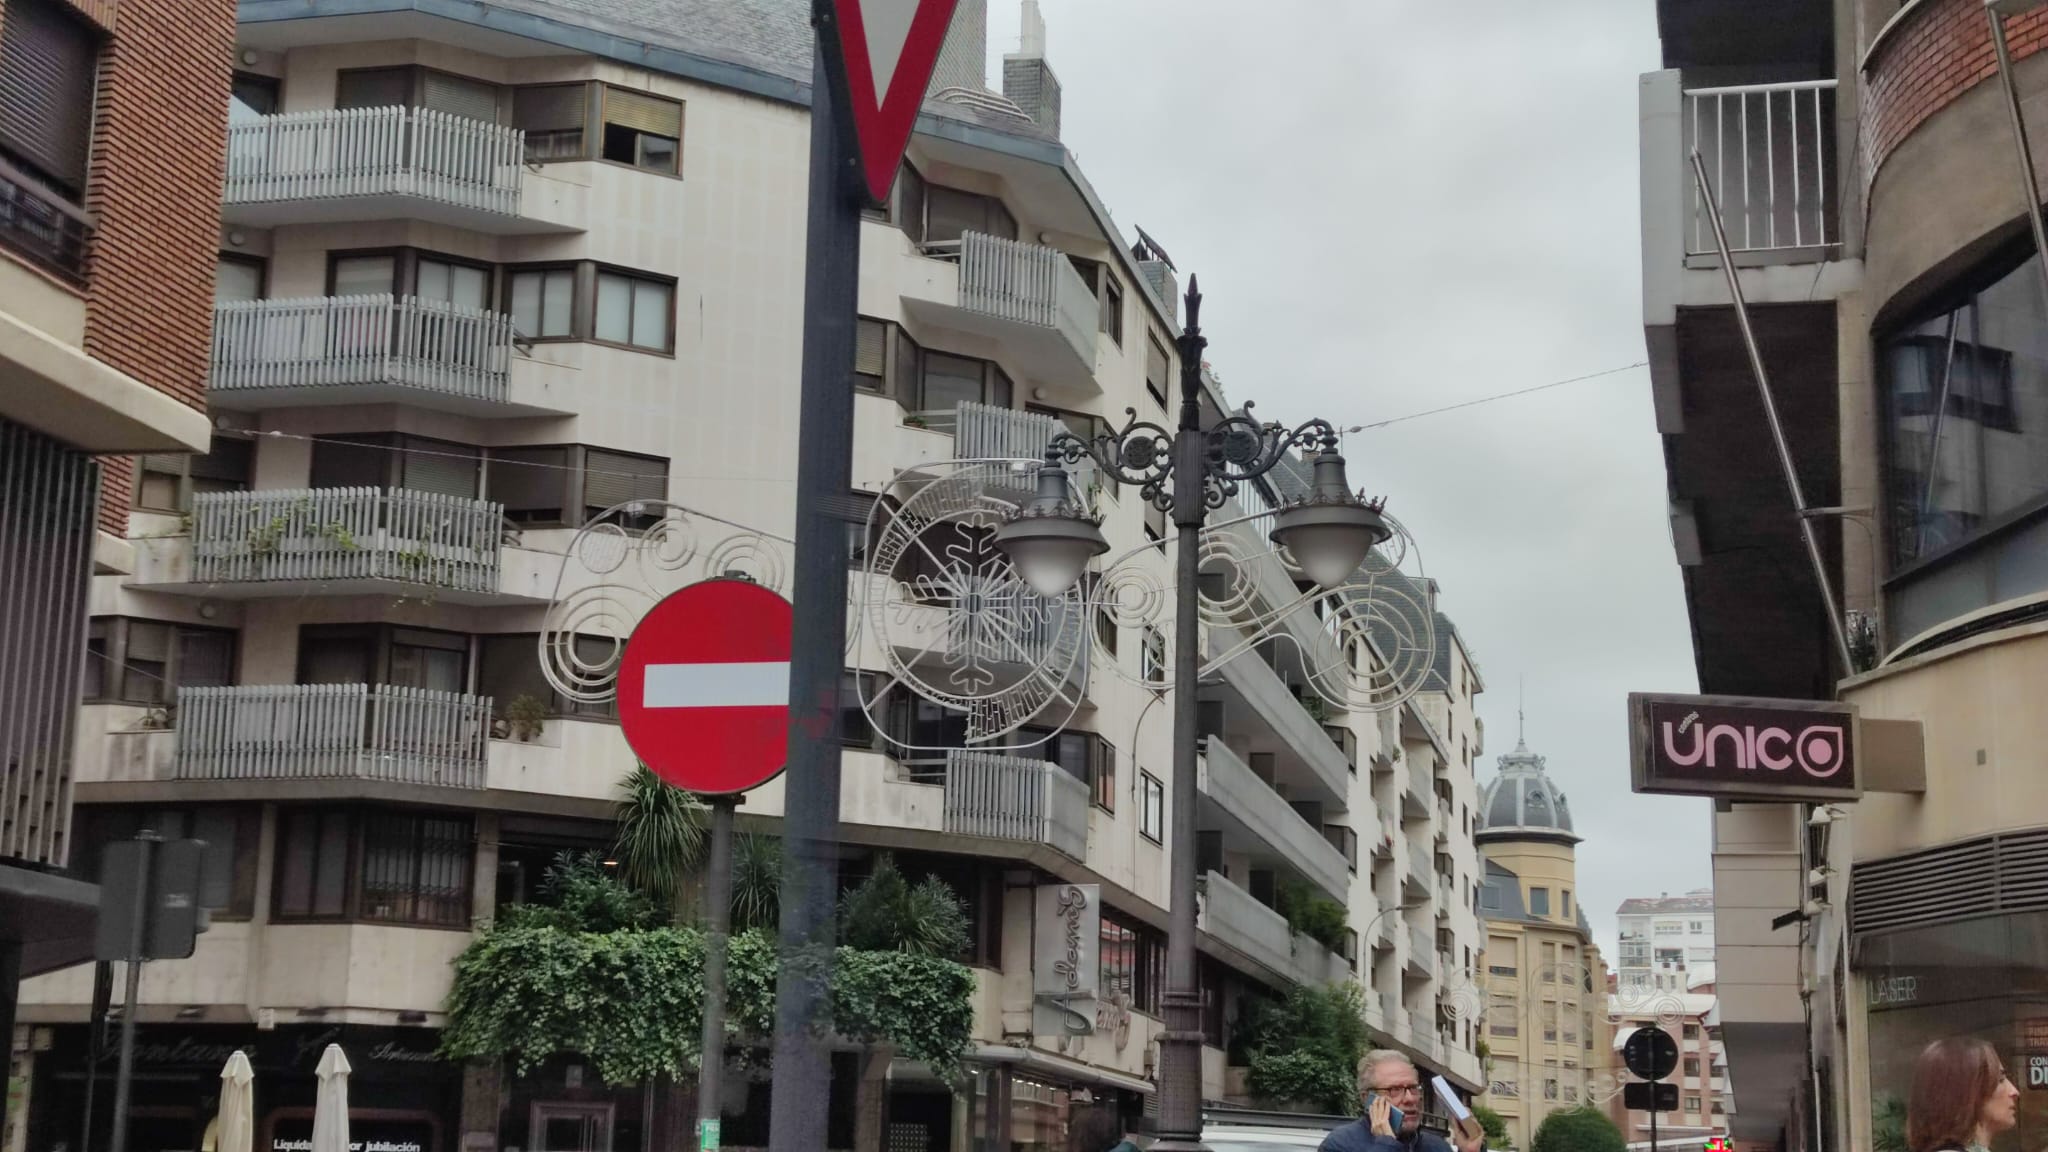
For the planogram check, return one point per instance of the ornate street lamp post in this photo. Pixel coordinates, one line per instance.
(1188, 472)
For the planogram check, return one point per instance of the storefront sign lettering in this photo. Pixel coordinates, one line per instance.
(1066, 959)
(1894, 991)
(2037, 1072)
(1113, 1018)
(1741, 748)
(280, 1144)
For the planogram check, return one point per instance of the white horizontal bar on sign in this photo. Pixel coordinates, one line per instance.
(716, 685)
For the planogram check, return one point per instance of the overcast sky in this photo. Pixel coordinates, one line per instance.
(1399, 204)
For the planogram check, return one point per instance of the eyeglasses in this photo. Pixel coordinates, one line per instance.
(1400, 1090)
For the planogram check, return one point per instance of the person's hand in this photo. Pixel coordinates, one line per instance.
(1467, 1143)
(1382, 1116)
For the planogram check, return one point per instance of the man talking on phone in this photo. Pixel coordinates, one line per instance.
(1387, 1084)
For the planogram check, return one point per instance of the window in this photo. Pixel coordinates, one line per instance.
(863, 528)
(1157, 366)
(49, 59)
(1086, 756)
(566, 485)
(1344, 840)
(508, 667)
(146, 661)
(382, 654)
(1103, 770)
(1692, 1066)
(642, 130)
(1564, 896)
(227, 870)
(855, 729)
(1155, 521)
(634, 311)
(552, 117)
(1154, 666)
(395, 867)
(1539, 901)
(871, 355)
(251, 96)
(419, 658)
(1692, 1031)
(166, 483)
(1489, 898)
(952, 212)
(542, 302)
(618, 480)
(1549, 1089)
(1110, 304)
(415, 87)
(390, 460)
(945, 380)
(1697, 926)
(452, 282)
(1133, 962)
(237, 278)
(1692, 1104)
(1151, 807)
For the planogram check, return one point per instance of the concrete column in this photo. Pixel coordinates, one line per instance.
(483, 886)
(871, 1101)
(254, 994)
(10, 990)
(482, 1091)
(1016, 958)
(1862, 535)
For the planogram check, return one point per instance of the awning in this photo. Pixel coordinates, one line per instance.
(1058, 1066)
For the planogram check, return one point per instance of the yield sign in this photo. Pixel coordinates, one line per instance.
(704, 687)
(880, 55)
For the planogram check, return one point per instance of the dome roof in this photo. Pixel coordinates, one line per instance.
(1523, 802)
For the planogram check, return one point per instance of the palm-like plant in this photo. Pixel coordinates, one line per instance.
(756, 883)
(660, 838)
(886, 913)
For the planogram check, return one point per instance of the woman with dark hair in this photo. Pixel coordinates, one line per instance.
(1096, 1130)
(1961, 1097)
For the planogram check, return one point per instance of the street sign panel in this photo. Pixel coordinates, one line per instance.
(880, 55)
(704, 687)
(1650, 1052)
(1650, 1097)
(168, 898)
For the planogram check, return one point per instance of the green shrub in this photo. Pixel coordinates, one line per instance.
(1579, 1129)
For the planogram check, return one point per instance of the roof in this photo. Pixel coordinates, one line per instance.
(1500, 895)
(1523, 802)
(1697, 900)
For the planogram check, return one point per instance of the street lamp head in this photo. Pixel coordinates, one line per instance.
(1051, 538)
(1329, 531)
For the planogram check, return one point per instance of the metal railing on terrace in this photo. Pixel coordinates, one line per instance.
(347, 534)
(1768, 150)
(986, 432)
(351, 152)
(354, 341)
(333, 731)
(1001, 797)
(41, 227)
(1025, 283)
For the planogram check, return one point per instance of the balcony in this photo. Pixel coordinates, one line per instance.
(365, 350)
(1417, 800)
(1001, 797)
(1415, 882)
(360, 164)
(1421, 961)
(1444, 823)
(1394, 1015)
(1254, 819)
(342, 541)
(1383, 842)
(42, 229)
(333, 732)
(1259, 707)
(986, 432)
(1027, 297)
(1236, 918)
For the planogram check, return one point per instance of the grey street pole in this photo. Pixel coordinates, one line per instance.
(1180, 1048)
(718, 927)
(125, 1075)
(824, 478)
(2030, 188)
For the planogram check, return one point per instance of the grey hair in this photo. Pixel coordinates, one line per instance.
(1371, 1061)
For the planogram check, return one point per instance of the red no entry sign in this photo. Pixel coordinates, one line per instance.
(704, 687)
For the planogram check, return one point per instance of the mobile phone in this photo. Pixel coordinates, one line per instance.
(1394, 1116)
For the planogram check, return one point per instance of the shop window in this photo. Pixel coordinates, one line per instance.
(146, 661)
(642, 130)
(167, 483)
(1151, 807)
(375, 865)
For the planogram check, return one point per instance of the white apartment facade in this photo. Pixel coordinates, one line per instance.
(489, 270)
(1665, 940)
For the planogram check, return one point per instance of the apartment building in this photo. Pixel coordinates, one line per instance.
(1863, 152)
(1691, 1015)
(508, 297)
(1548, 1036)
(106, 251)
(1665, 940)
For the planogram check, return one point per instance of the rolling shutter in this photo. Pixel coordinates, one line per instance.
(460, 96)
(373, 88)
(611, 478)
(438, 466)
(871, 347)
(48, 59)
(553, 108)
(643, 113)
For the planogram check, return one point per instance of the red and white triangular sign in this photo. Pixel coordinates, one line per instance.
(881, 53)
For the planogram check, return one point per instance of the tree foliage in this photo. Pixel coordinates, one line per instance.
(1496, 1127)
(1311, 913)
(1579, 1129)
(1305, 1047)
(661, 836)
(756, 883)
(885, 913)
(599, 977)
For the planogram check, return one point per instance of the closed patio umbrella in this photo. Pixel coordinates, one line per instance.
(330, 1106)
(236, 1122)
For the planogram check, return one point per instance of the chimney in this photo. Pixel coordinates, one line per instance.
(963, 60)
(1027, 79)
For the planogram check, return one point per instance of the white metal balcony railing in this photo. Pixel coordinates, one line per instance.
(986, 432)
(340, 341)
(326, 731)
(347, 534)
(1003, 797)
(351, 152)
(1027, 283)
(1766, 149)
